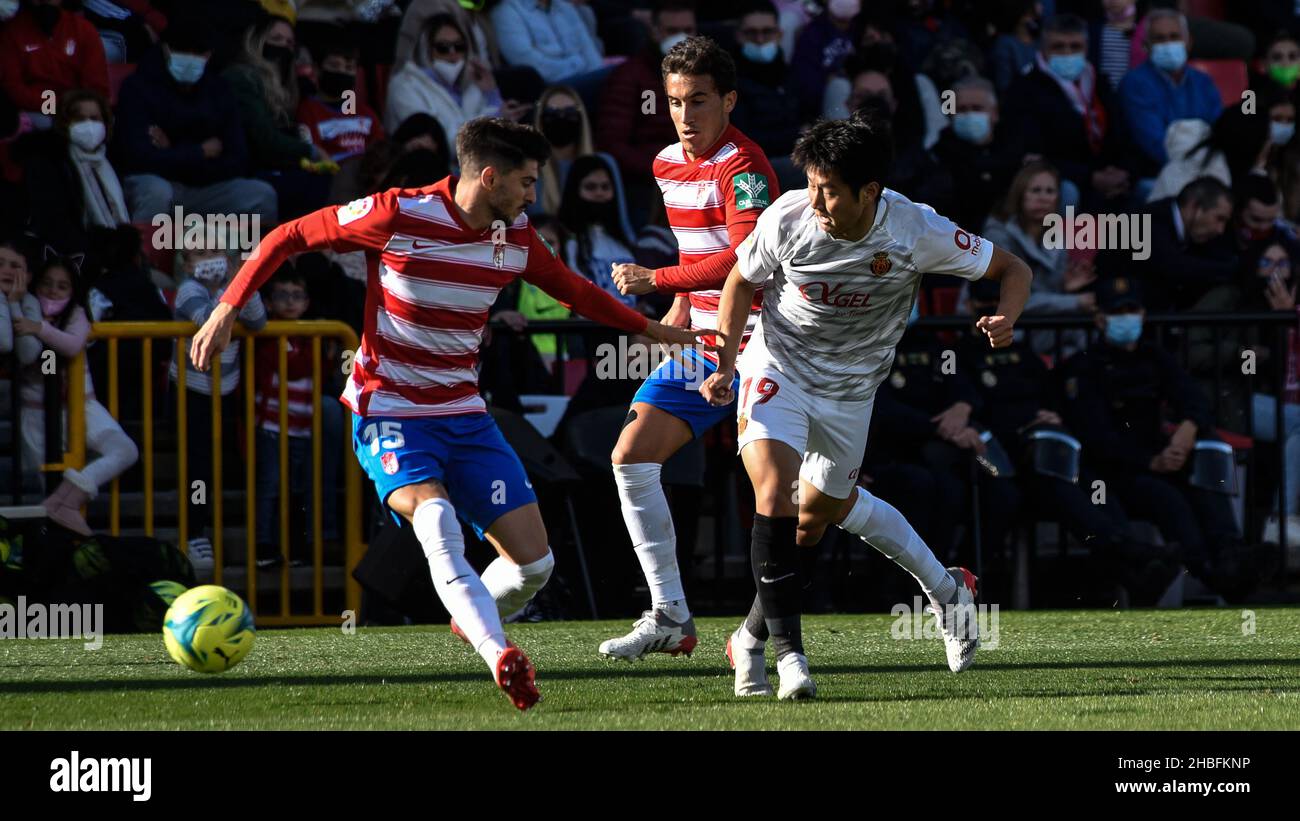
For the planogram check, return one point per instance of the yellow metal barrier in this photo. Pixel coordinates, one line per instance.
(180, 333)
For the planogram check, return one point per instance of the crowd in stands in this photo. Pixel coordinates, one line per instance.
(118, 116)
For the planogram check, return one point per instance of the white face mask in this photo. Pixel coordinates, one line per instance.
(448, 71)
(666, 44)
(87, 134)
(211, 270)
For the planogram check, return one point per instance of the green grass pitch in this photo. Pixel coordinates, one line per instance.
(1189, 669)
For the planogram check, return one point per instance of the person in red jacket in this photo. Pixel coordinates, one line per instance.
(44, 49)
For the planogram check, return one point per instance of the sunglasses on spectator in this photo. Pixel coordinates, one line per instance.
(444, 47)
(1266, 264)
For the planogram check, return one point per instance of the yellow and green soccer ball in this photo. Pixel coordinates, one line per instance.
(208, 629)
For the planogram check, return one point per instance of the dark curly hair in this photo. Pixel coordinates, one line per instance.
(701, 56)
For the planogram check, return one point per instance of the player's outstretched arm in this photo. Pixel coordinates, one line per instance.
(1014, 277)
(733, 313)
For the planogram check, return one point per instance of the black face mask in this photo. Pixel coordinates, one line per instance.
(47, 17)
(334, 83)
(561, 126)
(281, 56)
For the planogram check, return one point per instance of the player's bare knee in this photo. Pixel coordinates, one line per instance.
(775, 502)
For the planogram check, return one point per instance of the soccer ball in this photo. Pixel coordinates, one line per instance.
(208, 629)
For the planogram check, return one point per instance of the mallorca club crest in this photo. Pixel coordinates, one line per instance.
(389, 462)
(880, 263)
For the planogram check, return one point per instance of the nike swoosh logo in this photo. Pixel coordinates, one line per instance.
(461, 576)
(766, 580)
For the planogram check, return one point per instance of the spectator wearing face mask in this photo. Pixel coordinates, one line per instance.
(587, 211)
(562, 119)
(1120, 394)
(71, 185)
(46, 49)
(1165, 89)
(342, 127)
(178, 139)
(1067, 115)
(1019, 23)
(978, 152)
(625, 129)
(1236, 145)
(207, 273)
(822, 47)
(444, 79)
(280, 151)
(1278, 68)
(767, 108)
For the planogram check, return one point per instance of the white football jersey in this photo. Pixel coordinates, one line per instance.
(834, 310)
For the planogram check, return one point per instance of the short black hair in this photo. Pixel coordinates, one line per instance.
(1206, 192)
(1064, 24)
(757, 7)
(701, 56)
(860, 150)
(1255, 187)
(335, 43)
(286, 275)
(499, 143)
(189, 33)
(665, 6)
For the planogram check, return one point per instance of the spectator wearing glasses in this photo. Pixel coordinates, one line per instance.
(443, 79)
(767, 109)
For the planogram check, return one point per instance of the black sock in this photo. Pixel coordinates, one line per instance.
(779, 580)
(755, 625)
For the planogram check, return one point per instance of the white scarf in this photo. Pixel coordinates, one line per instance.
(101, 189)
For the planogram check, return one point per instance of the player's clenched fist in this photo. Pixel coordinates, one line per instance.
(717, 388)
(633, 279)
(213, 337)
(997, 328)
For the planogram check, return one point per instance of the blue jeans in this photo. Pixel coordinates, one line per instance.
(1265, 420)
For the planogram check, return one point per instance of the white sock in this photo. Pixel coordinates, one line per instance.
(746, 641)
(650, 524)
(458, 586)
(514, 585)
(880, 525)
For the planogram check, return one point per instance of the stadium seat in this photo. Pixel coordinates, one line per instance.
(117, 72)
(1229, 77)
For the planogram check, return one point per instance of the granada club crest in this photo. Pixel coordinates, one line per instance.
(389, 461)
(881, 263)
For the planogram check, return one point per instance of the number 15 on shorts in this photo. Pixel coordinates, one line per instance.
(386, 435)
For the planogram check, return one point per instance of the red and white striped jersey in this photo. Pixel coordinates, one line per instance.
(712, 204)
(431, 281)
(298, 361)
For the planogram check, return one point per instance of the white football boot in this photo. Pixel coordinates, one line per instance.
(654, 632)
(796, 683)
(958, 622)
(750, 667)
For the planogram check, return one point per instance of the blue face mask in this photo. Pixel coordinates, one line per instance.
(186, 68)
(764, 53)
(1169, 56)
(1067, 66)
(1280, 133)
(972, 126)
(1123, 329)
